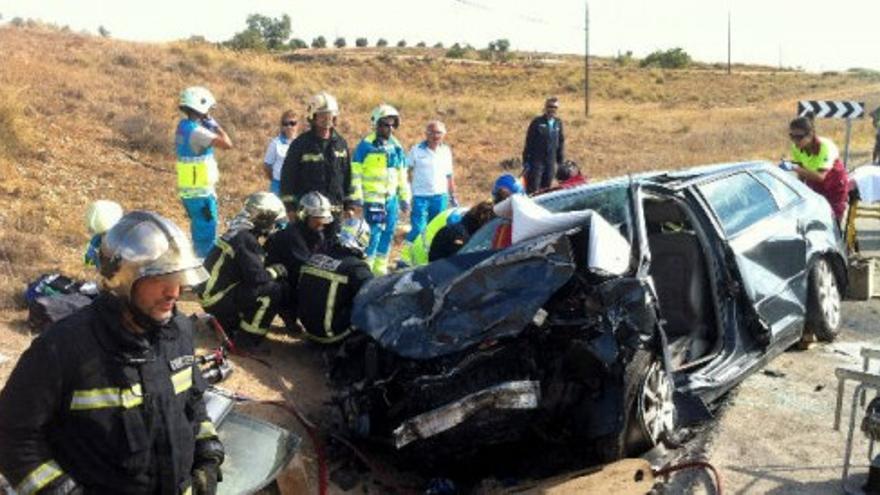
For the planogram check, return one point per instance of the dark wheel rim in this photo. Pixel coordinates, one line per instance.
(656, 411)
(828, 294)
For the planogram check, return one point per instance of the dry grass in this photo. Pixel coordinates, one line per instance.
(83, 117)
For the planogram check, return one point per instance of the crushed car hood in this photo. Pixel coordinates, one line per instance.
(454, 303)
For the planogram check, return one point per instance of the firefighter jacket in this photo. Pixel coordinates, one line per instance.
(315, 164)
(379, 171)
(545, 142)
(114, 411)
(325, 293)
(291, 247)
(238, 273)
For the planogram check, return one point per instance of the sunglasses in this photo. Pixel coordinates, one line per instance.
(797, 137)
(552, 107)
(288, 123)
(383, 124)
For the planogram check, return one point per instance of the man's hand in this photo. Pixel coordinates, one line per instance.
(205, 478)
(787, 166)
(211, 124)
(452, 201)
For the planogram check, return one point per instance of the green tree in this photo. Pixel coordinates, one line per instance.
(382, 42)
(401, 44)
(455, 51)
(438, 45)
(674, 58)
(360, 42)
(104, 32)
(275, 32)
(340, 42)
(421, 44)
(248, 39)
(319, 42)
(297, 44)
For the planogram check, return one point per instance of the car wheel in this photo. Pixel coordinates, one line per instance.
(823, 302)
(649, 409)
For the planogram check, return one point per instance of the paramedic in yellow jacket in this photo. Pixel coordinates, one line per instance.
(380, 182)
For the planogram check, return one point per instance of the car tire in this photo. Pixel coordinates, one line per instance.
(649, 409)
(823, 302)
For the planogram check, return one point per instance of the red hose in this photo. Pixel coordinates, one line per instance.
(690, 465)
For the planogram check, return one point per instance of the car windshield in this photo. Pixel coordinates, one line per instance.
(610, 199)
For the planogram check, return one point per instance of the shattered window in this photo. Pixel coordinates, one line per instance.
(783, 193)
(739, 200)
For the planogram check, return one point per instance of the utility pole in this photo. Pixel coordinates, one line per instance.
(586, 59)
(728, 42)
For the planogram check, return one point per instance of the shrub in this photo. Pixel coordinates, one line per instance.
(339, 43)
(297, 44)
(674, 58)
(319, 42)
(145, 133)
(248, 39)
(401, 44)
(104, 32)
(360, 42)
(455, 51)
(421, 44)
(438, 45)
(382, 42)
(624, 59)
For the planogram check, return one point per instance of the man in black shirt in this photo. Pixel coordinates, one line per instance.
(544, 148)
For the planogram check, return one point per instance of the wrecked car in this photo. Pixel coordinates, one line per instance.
(653, 297)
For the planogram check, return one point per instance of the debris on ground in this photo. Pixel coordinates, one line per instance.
(773, 373)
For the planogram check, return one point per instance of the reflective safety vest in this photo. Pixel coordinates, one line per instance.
(824, 160)
(197, 172)
(418, 252)
(379, 171)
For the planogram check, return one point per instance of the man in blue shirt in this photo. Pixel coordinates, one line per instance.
(544, 148)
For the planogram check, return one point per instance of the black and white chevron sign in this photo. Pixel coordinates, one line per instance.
(832, 109)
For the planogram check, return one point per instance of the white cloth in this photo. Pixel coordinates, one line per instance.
(430, 169)
(275, 154)
(867, 178)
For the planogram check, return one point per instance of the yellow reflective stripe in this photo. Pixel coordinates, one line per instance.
(254, 325)
(182, 380)
(44, 474)
(187, 491)
(192, 174)
(340, 154)
(328, 310)
(326, 275)
(328, 340)
(206, 430)
(312, 157)
(100, 398)
(208, 298)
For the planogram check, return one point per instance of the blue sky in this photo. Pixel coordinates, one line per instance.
(816, 35)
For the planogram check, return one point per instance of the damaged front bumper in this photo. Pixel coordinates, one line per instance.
(521, 394)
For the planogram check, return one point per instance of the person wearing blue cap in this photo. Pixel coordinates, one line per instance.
(505, 186)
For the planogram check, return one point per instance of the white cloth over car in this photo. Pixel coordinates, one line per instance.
(608, 250)
(867, 178)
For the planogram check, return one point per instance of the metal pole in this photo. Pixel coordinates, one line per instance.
(846, 150)
(586, 59)
(728, 42)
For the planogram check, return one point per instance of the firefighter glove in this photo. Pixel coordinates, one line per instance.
(277, 271)
(205, 478)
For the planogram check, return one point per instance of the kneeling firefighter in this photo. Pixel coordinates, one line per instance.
(329, 281)
(243, 293)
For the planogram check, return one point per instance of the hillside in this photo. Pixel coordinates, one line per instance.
(83, 117)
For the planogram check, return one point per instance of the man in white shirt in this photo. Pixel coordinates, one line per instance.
(277, 151)
(433, 187)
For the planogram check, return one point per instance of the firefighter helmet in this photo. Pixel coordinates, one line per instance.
(264, 210)
(385, 111)
(322, 102)
(197, 98)
(315, 205)
(355, 234)
(145, 244)
(102, 215)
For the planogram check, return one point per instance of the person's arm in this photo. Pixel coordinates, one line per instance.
(530, 138)
(357, 173)
(403, 191)
(350, 202)
(289, 171)
(253, 271)
(209, 452)
(269, 159)
(810, 175)
(450, 180)
(28, 404)
(560, 150)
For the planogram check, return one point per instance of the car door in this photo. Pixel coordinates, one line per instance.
(756, 214)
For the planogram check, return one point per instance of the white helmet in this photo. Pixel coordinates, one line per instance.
(102, 215)
(322, 102)
(145, 244)
(315, 204)
(382, 111)
(197, 98)
(264, 210)
(355, 234)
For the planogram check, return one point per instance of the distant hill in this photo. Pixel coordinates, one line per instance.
(84, 117)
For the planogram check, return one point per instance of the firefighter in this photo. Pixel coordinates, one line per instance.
(109, 400)
(196, 137)
(329, 281)
(380, 183)
(100, 217)
(243, 293)
(318, 160)
(300, 239)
